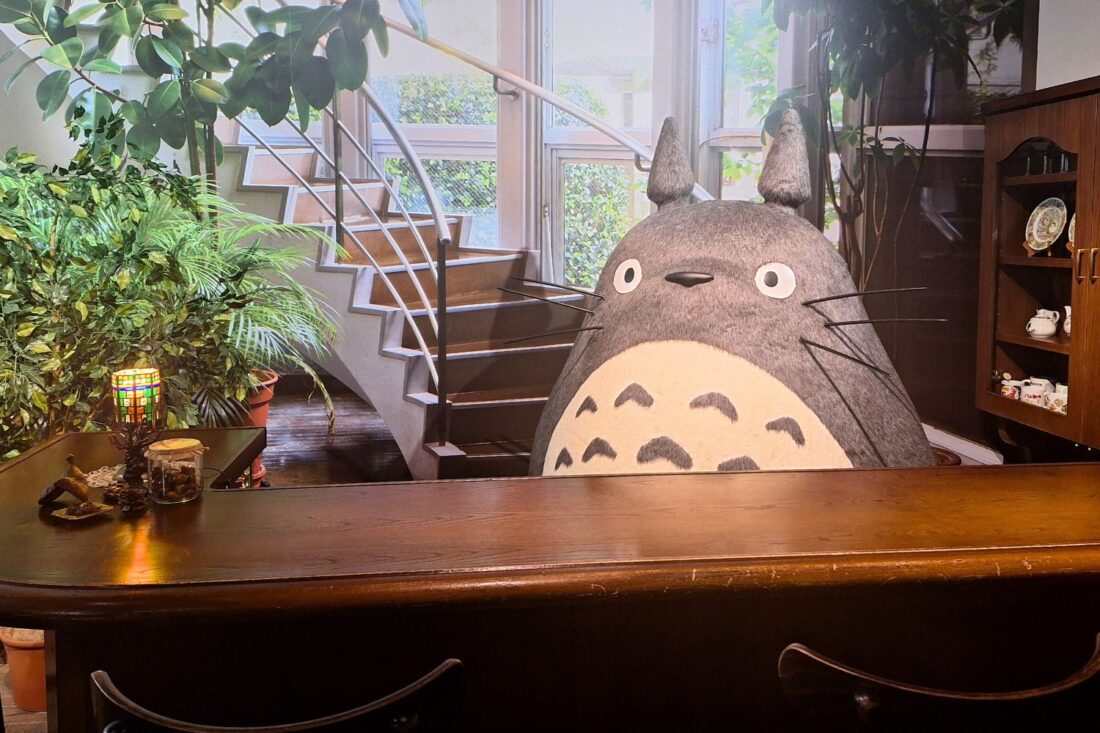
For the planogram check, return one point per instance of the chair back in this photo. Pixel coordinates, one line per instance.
(831, 696)
(430, 705)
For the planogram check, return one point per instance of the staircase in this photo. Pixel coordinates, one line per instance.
(497, 387)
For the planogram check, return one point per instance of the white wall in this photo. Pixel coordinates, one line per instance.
(1068, 30)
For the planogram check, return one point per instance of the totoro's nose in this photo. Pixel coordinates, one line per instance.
(689, 279)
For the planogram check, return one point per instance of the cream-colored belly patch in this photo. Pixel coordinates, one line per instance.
(685, 406)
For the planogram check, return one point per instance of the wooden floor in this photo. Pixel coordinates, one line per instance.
(15, 719)
(300, 452)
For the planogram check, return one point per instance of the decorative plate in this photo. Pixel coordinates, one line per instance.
(1046, 224)
(99, 509)
(1072, 229)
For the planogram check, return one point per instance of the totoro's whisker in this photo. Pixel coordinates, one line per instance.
(554, 333)
(834, 324)
(839, 393)
(544, 300)
(570, 288)
(860, 294)
(856, 359)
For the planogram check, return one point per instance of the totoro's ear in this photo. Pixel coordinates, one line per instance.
(670, 178)
(785, 179)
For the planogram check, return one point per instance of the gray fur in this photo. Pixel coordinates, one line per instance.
(665, 448)
(718, 401)
(670, 179)
(868, 413)
(785, 179)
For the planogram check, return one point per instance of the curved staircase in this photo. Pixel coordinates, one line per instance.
(497, 385)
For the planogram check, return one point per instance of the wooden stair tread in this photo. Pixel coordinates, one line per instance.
(504, 394)
(518, 448)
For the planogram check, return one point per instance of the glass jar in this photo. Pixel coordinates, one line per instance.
(175, 470)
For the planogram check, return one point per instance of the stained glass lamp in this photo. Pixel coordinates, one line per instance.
(137, 395)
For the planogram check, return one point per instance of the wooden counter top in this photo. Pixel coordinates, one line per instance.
(365, 545)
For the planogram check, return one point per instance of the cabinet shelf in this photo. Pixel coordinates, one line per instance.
(1040, 178)
(1059, 343)
(1056, 263)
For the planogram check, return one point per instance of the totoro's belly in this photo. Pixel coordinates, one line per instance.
(685, 406)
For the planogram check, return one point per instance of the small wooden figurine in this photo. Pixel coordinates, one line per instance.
(73, 482)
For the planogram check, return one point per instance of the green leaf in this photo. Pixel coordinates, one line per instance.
(168, 52)
(415, 14)
(315, 80)
(12, 51)
(132, 111)
(78, 211)
(64, 54)
(123, 21)
(158, 257)
(172, 128)
(211, 59)
(123, 277)
(148, 58)
(144, 141)
(232, 49)
(18, 72)
(108, 41)
(25, 330)
(209, 90)
(52, 91)
(80, 14)
(302, 105)
(12, 10)
(166, 12)
(163, 97)
(357, 17)
(320, 21)
(382, 36)
(8, 233)
(107, 66)
(274, 105)
(347, 60)
(38, 347)
(82, 310)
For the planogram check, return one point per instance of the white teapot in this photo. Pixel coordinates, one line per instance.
(1044, 323)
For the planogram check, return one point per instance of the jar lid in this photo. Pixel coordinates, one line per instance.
(175, 448)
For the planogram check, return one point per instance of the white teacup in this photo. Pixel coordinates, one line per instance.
(1033, 393)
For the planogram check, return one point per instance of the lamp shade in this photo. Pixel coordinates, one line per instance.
(137, 395)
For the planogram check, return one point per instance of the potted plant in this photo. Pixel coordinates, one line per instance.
(106, 264)
(26, 651)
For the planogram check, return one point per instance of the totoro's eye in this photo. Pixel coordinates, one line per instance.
(775, 280)
(627, 275)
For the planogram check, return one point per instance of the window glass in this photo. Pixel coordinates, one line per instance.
(600, 202)
(463, 186)
(421, 86)
(750, 63)
(602, 60)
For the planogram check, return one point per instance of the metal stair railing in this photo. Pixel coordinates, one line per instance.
(437, 316)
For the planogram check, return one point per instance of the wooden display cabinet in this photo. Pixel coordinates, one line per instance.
(1040, 145)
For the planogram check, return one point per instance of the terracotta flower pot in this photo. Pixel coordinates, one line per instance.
(26, 650)
(259, 403)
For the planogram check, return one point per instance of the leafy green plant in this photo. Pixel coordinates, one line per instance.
(299, 58)
(861, 46)
(595, 216)
(107, 271)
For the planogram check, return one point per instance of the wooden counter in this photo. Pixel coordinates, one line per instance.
(581, 602)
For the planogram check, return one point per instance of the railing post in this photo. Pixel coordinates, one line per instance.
(337, 163)
(441, 340)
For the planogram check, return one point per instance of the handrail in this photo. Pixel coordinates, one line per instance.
(340, 225)
(640, 151)
(437, 317)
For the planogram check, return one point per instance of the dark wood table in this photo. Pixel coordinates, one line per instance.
(643, 602)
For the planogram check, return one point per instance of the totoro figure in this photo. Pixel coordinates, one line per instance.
(727, 336)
